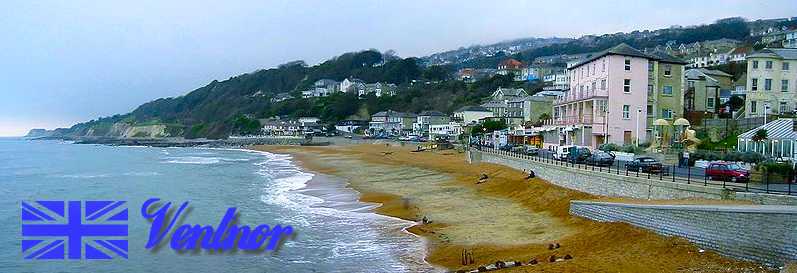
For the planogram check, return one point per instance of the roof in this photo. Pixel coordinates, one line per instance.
(473, 108)
(432, 113)
(776, 129)
(714, 72)
(512, 63)
(493, 104)
(355, 80)
(667, 58)
(512, 91)
(551, 93)
(741, 49)
(696, 73)
(778, 53)
(386, 113)
(621, 49)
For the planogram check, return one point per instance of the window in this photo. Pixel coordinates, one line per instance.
(603, 84)
(602, 106)
(754, 85)
(785, 66)
(627, 85)
(650, 90)
(667, 90)
(668, 70)
(710, 103)
(753, 107)
(755, 64)
(784, 85)
(666, 113)
(627, 64)
(626, 112)
(604, 66)
(650, 66)
(650, 110)
(690, 84)
(783, 107)
(768, 84)
(768, 65)
(593, 86)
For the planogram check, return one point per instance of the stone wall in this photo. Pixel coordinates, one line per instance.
(766, 234)
(620, 185)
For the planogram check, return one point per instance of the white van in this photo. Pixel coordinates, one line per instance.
(561, 152)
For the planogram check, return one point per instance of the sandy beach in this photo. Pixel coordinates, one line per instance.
(506, 218)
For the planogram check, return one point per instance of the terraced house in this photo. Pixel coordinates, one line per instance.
(771, 78)
(611, 95)
(665, 88)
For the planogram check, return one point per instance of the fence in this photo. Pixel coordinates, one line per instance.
(673, 173)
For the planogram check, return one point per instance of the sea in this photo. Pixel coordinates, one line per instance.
(334, 232)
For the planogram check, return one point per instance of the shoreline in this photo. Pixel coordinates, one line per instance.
(594, 246)
(337, 193)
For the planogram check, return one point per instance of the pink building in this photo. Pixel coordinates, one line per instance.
(607, 100)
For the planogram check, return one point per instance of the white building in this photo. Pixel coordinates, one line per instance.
(451, 129)
(469, 115)
(351, 85)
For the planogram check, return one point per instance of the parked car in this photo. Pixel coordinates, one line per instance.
(531, 150)
(600, 158)
(561, 152)
(578, 154)
(727, 171)
(646, 165)
(409, 138)
(505, 147)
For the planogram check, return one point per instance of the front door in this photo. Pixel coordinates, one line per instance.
(627, 137)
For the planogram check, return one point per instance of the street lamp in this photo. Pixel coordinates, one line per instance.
(606, 132)
(638, 113)
(766, 111)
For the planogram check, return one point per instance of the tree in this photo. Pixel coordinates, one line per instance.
(493, 125)
(736, 102)
(760, 135)
(437, 73)
(243, 125)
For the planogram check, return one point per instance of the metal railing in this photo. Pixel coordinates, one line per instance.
(672, 173)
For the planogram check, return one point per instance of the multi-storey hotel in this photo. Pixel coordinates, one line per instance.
(771, 77)
(608, 100)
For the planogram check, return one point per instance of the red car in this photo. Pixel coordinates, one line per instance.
(727, 171)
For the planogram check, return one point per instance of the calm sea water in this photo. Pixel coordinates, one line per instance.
(334, 232)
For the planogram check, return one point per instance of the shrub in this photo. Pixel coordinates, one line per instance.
(752, 157)
(630, 148)
(772, 167)
(609, 147)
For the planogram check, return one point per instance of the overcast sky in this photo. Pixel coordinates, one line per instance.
(63, 62)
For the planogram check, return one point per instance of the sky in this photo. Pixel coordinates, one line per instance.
(63, 62)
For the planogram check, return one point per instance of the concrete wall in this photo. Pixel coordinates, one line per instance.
(612, 184)
(766, 234)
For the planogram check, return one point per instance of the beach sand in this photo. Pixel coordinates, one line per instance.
(506, 218)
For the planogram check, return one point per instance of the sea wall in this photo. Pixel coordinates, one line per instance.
(620, 185)
(766, 234)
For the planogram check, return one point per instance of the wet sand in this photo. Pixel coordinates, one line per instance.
(505, 218)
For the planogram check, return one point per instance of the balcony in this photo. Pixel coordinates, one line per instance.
(573, 96)
(578, 119)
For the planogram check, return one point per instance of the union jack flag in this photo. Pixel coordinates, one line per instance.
(74, 230)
